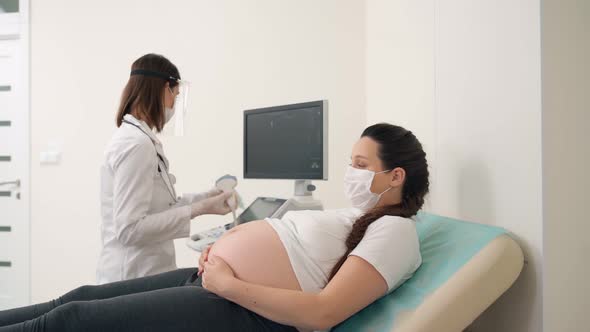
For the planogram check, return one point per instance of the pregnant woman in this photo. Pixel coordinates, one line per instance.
(309, 270)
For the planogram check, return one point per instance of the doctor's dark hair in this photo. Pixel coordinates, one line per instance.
(398, 147)
(144, 92)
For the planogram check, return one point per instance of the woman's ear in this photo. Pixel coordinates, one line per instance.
(398, 176)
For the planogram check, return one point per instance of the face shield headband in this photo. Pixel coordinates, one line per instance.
(151, 73)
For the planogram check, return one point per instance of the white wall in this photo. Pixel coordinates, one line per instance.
(237, 54)
(566, 161)
(465, 77)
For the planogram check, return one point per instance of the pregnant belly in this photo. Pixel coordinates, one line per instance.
(256, 254)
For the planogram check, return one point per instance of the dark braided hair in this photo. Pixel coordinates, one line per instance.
(398, 147)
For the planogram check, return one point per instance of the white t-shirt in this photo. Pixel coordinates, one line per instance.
(315, 241)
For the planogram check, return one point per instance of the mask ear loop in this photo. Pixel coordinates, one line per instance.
(386, 190)
(384, 171)
(173, 96)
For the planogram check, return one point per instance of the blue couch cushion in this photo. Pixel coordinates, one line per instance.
(446, 245)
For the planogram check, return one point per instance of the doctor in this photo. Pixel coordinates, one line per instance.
(141, 213)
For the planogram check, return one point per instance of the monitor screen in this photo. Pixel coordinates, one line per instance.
(261, 208)
(286, 142)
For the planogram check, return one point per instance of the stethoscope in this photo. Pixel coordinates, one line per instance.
(166, 180)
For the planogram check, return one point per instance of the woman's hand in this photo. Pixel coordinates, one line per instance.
(212, 205)
(203, 259)
(218, 276)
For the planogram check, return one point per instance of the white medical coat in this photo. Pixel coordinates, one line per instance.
(140, 217)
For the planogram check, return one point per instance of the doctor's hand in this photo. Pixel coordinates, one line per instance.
(218, 275)
(213, 192)
(203, 259)
(212, 205)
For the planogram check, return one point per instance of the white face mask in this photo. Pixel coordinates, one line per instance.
(168, 113)
(357, 187)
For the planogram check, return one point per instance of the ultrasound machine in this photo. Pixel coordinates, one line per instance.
(281, 142)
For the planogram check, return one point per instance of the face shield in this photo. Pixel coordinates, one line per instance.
(176, 120)
(175, 117)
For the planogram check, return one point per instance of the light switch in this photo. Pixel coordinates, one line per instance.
(50, 157)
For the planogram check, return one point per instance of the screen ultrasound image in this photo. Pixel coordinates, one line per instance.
(285, 144)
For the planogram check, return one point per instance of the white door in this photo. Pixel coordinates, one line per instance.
(14, 155)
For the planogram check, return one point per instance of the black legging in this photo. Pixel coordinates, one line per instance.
(171, 301)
